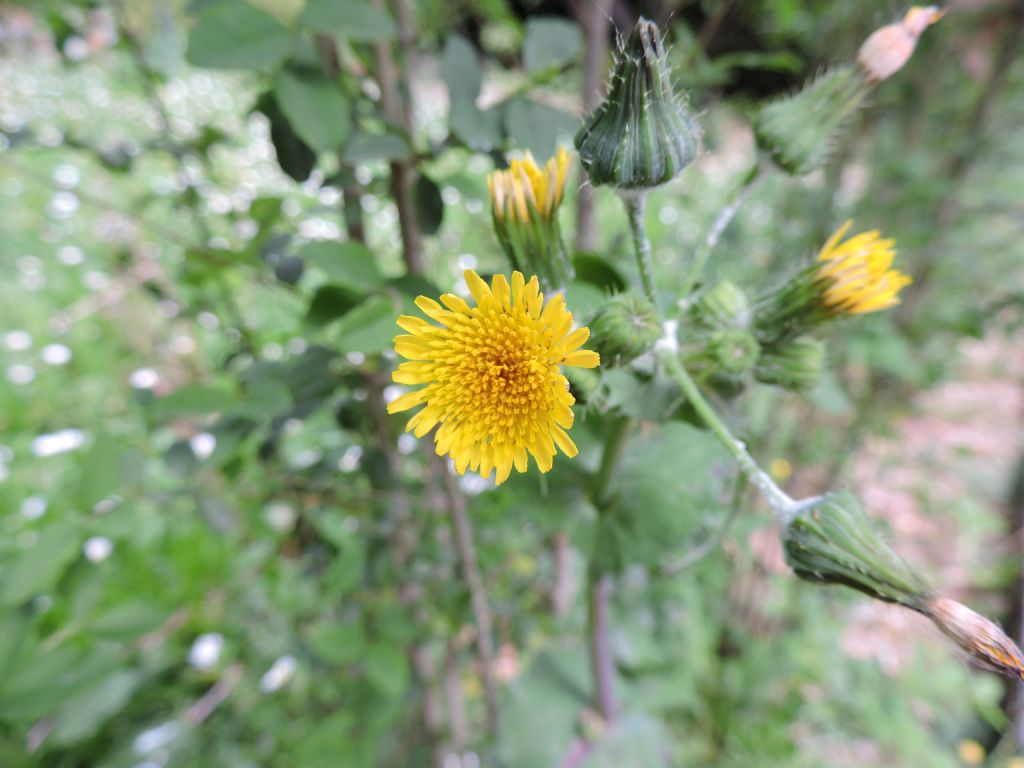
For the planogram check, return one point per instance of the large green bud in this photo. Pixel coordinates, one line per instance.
(723, 306)
(831, 541)
(734, 351)
(640, 136)
(800, 130)
(624, 328)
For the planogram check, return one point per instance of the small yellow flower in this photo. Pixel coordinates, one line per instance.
(970, 752)
(524, 187)
(492, 374)
(857, 273)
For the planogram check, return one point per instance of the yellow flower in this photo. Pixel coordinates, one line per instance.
(524, 187)
(857, 273)
(492, 374)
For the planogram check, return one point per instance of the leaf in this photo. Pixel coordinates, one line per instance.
(669, 481)
(331, 302)
(107, 468)
(355, 20)
(128, 620)
(349, 264)
(39, 567)
(194, 400)
(370, 327)
(328, 744)
(237, 35)
(461, 70)
(316, 107)
(538, 127)
(366, 147)
(45, 680)
(15, 634)
(429, 205)
(293, 154)
(597, 270)
(545, 702)
(635, 741)
(84, 712)
(387, 669)
(477, 129)
(338, 643)
(550, 42)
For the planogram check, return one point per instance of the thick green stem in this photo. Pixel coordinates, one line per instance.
(614, 447)
(782, 505)
(636, 203)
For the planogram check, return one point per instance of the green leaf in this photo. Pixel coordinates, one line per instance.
(387, 669)
(545, 702)
(369, 328)
(338, 643)
(39, 567)
(355, 20)
(237, 35)
(669, 481)
(429, 205)
(15, 633)
(366, 147)
(45, 681)
(477, 129)
(349, 264)
(195, 400)
(316, 107)
(597, 270)
(128, 620)
(293, 154)
(331, 302)
(550, 42)
(635, 741)
(538, 127)
(84, 712)
(327, 743)
(461, 70)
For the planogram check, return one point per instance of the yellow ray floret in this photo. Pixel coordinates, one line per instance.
(491, 374)
(858, 273)
(524, 186)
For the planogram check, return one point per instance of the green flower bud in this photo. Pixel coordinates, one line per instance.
(640, 136)
(831, 541)
(799, 131)
(734, 351)
(795, 364)
(624, 328)
(724, 306)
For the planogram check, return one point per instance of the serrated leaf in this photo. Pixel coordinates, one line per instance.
(237, 35)
(316, 107)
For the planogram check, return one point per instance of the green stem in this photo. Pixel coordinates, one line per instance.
(782, 505)
(614, 448)
(726, 215)
(635, 203)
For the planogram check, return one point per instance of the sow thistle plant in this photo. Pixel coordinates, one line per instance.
(491, 373)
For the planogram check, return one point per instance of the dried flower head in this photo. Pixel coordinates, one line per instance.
(492, 374)
(857, 273)
(887, 49)
(982, 639)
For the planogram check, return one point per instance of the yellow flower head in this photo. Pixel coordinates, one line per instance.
(492, 374)
(524, 187)
(857, 273)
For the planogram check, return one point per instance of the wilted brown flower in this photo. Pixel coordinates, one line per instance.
(982, 639)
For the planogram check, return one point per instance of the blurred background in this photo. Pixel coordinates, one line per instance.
(217, 549)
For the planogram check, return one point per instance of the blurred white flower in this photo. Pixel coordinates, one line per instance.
(205, 651)
(33, 507)
(156, 738)
(57, 442)
(56, 354)
(97, 549)
(144, 378)
(17, 340)
(203, 445)
(279, 675)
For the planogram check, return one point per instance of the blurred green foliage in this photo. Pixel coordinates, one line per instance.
(217, 549)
